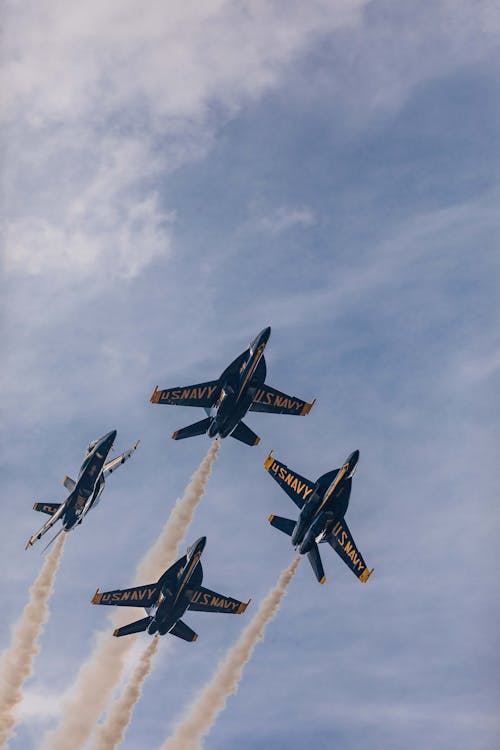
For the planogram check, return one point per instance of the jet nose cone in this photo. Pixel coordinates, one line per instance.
(353, 458)
(107, 441)
(197, 547)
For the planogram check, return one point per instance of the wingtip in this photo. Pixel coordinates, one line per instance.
(96, 599)
(29, 543)
(269, 460)
(195, 637)
(243, 607)
(136, 444)
(323, 579)
(174, 435)
(156, 396)
(271, 518)
(116, 633)
(307, 407)
(365, 575)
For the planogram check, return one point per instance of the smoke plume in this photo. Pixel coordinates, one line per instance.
(17, 662)
(89, 695)
(202, 714)
(112, 732)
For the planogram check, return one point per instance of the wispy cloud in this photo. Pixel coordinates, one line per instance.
(282, 219)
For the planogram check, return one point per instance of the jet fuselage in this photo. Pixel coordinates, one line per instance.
(90, 482)
(239, 382)
(174, 596)
(324, 508)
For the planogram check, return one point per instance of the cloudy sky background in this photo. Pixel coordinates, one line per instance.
(175, 177)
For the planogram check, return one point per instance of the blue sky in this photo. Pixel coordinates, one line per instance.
(174, 180)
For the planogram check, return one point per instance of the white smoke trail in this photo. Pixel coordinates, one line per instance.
(17, 662)
(202, 714)
(87, 698)
(112, 732)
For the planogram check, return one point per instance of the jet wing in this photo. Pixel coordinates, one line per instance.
(110, 466)
(138, 596)
(270, 400)
(201, 394)
(204, 600)
(298, 488)
(47, 525)
(342, 542)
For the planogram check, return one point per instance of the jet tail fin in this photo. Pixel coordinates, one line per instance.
(316, 564)
(133, 627)
(245, 434)
(198, 428)
(69, 483)
(181, 630)
(286, 525)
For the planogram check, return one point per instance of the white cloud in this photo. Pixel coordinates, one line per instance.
(103, 101)
(284, 218)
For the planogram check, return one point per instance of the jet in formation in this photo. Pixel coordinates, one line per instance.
(165, 601)
(239, 389)
(86, 491)
(323, 505)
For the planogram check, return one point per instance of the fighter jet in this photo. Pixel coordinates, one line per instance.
(323, 505)
(86, 491)
(165, 601)
(239, 389)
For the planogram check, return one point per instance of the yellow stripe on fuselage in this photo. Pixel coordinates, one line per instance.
(335, 483)
(188, 575)
(251, 369)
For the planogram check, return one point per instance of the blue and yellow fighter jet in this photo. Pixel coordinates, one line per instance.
(86, 491)
(165, 601)
(323, 505)
(239, 389)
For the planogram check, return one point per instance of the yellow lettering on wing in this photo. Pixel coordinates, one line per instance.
(215, 601)
(307, 491)
(117, 596)
(133, 596)
(125, 596)
(206, 599)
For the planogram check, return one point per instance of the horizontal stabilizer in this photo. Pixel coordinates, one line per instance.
(198, 428)
(133, 627)
(48, 508)
(286, 525)
(316, 564)
(181, 630)
(245, 435)
(69, 483)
